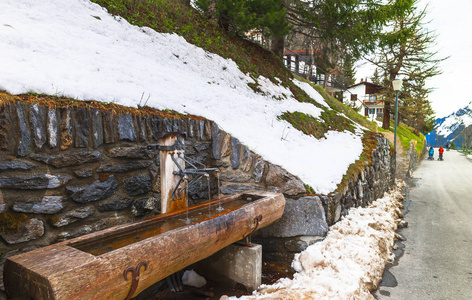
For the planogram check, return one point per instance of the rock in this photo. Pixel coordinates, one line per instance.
(72, 216)
(131, 153)
(82, 127)
(2, 207)
(89, 228)
(96, 191)
(67, 160)
(84, 173)
(217, 140)
(109, 125)
(235, 145)
(47, 205)
(201, 129)
(201, 146)
(137, 185)
(295, 246)
(235, 177)
(143, 206)
(190, 128)
(16, 164)
(52, 127)
(66, 128)
(142, 128)
(175, 125)
(97, 128)
(259, 167)
(5, 126)
(44, 181)
(27, 231)
(286, 182)
(25, 135)
(115, 204)
(304, 216)
(229, 189)
(166, 125)
(126, 128)
(123, 167)
(155, 126)
(207, 128)
(246, 159)
(39, 131)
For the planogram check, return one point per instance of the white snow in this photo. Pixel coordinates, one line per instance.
(76, 49)
(349, 262)
(192, 278)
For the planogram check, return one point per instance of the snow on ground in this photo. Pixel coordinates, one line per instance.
(76, 49)
(349, 262)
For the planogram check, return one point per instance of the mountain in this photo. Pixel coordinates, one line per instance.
(450, 128)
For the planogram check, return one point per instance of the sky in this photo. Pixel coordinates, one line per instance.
(76, 49)
(452, 24)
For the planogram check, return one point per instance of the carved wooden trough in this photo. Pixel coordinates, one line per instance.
(120, 262)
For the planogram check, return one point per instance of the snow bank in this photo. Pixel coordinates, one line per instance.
(76, 49)
(349, 263)
(192, 278)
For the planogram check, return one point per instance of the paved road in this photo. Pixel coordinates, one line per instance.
(437, 258)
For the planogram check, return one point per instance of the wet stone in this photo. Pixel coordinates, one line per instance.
(115, 204)
(259, 170)
(143, 206)
(98, 190)
(235, 177)
(52, 127)
(126, 127)
(208, 130)
(246, 159)
(72, 216)
(47, 205)
(38, 126)
(131, 153)
(137, 185)
(304, 216)
(4, 126)
(175, 125)
(109, 135)
(67, 160)
(142, 128)
(66, 128)
(82, 127)
(44, 181)
(155, 126)
(97, 128)
(27, 231)
(295, 246)
(190, 128)
(166, 125)
(201, 129)
(25, 135)
(229, 189)
(283, 180)
(217, 138)
(201, 146)
(89, 228)
(7, 165)
(123, 167)
(85, 173)
(234, 158)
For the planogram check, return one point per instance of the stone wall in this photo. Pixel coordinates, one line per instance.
(306, 219)
(67, 171)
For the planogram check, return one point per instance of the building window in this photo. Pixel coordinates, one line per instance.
(353, 97)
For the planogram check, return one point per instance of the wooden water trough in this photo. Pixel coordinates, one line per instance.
(120, 262)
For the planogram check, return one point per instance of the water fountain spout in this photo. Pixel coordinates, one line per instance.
(174, 174)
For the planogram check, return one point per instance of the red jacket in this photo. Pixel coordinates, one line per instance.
(441, 150)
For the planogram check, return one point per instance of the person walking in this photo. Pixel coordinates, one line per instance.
(431, 153)
(441, 151)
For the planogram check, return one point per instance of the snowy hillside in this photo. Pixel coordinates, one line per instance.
(450, 127)
(76, 49)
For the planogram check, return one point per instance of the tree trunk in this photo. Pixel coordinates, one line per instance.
(277, 46)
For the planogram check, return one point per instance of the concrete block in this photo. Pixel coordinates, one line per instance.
(234, 264)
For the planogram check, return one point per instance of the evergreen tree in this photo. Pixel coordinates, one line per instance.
(405, 49)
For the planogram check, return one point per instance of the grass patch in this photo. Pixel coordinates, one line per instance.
(329, 120)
